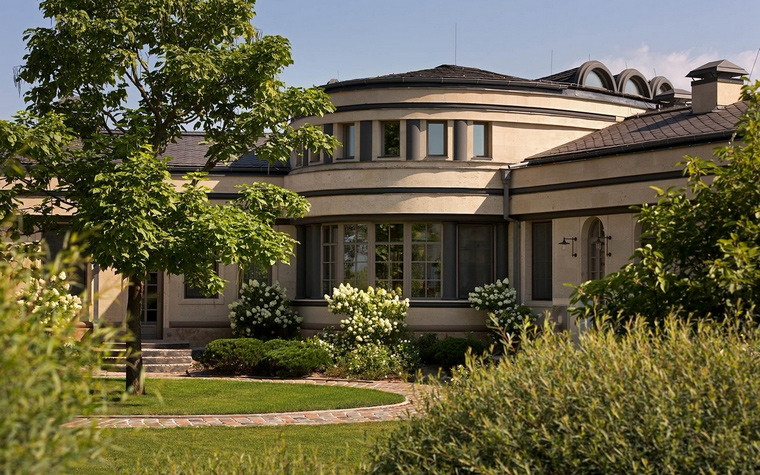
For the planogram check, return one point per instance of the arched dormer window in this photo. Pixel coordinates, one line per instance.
(632, 82)
(660, 85)
(595, 74)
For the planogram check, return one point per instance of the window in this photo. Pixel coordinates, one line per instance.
(436, 139)
(474, 256)
(329, 258)
(356, 255)
(390, 145)
(55, 244)
(426, 260)
(251, 271)
(389, 256)
(542, 261)
(196, 293)
(349, 141)
(384, 255)
(151, 300)
(314, 156)
(596, 250)
(593, 79)
(480, 140)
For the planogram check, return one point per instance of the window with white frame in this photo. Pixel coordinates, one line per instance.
(404, 256)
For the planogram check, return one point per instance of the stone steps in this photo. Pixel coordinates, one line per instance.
(158, 357)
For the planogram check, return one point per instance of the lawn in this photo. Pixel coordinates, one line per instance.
(339, 445)
(202, 396)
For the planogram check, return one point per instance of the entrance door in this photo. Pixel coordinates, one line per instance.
(152, 318)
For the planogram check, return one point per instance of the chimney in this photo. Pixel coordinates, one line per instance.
(715, 84)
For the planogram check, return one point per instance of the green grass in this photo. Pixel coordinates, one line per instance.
(340, 445)
(200, 396)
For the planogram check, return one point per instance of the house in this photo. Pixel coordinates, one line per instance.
(452, 177)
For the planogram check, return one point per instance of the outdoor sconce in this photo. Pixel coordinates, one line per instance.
(602, 243)
(569, 240)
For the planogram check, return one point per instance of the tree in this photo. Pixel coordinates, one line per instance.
(701, 252)
(112, 84)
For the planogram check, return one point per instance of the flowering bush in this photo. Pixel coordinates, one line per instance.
(374, 316)
(500, 301)
(262, 312)
(373, 342)
(49, 301)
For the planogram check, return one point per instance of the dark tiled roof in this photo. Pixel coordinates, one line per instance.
(188, 153)
(568, 76)
(668, 127)
(450, 71)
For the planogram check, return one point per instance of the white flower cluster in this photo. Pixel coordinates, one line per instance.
(374, 316)
(262, 312)
(48, 299)
(499, 300)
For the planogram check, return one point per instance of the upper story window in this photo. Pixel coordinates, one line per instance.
(436, 139)
(390, 144)
(595, 80)
(481, 140)
(349, 141)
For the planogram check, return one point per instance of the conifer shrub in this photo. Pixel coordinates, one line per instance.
(684, 398)
(451, 352)
(283, 358)
(293, 359)
(235, 355)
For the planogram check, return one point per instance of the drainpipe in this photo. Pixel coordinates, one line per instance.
(506, 175)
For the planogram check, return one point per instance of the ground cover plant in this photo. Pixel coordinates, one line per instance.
(339, 448)
(681, 398)
(202, 396)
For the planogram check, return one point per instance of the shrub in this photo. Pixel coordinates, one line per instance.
(375, 361)
(451, 352)
(262, 312)
(238, 355)
(426, 347)
(45, 373)
(683, 399)
(295, 359)
(500, 301)
(284, 358)
(374, 316)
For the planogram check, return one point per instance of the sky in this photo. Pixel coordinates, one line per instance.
(350, 39)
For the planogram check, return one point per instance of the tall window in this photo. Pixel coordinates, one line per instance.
(475, 257)
(349, 141)
(436, 139)
(542, 261)
(151, 299)
(389, 256)
(329, 258)
(426, 260)
(596, 250)
(391, 139)
(480, 140)
(356, 255)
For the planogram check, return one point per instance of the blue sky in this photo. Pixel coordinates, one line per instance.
(360, 38)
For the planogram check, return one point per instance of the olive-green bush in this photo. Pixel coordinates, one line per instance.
(681, 399)
(451, 352)
(284, 358)
(237, 355)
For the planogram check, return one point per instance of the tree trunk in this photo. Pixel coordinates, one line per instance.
(134, 383)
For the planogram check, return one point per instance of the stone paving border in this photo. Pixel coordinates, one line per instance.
(408, 408)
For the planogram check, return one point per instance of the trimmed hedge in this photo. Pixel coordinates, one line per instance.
(683, 399)
(448, 352)
(284, 358)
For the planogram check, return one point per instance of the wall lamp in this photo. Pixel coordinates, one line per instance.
(569, 240)
(601, 242)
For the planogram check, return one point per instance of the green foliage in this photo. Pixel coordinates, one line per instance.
(373, 342)
(451, 352)
(688, 402)
(283, 358)
(426, 347)
(701, 252)
(263, 312)
(44, 376)
(500, 302)
(238, 355)
(294, 359)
